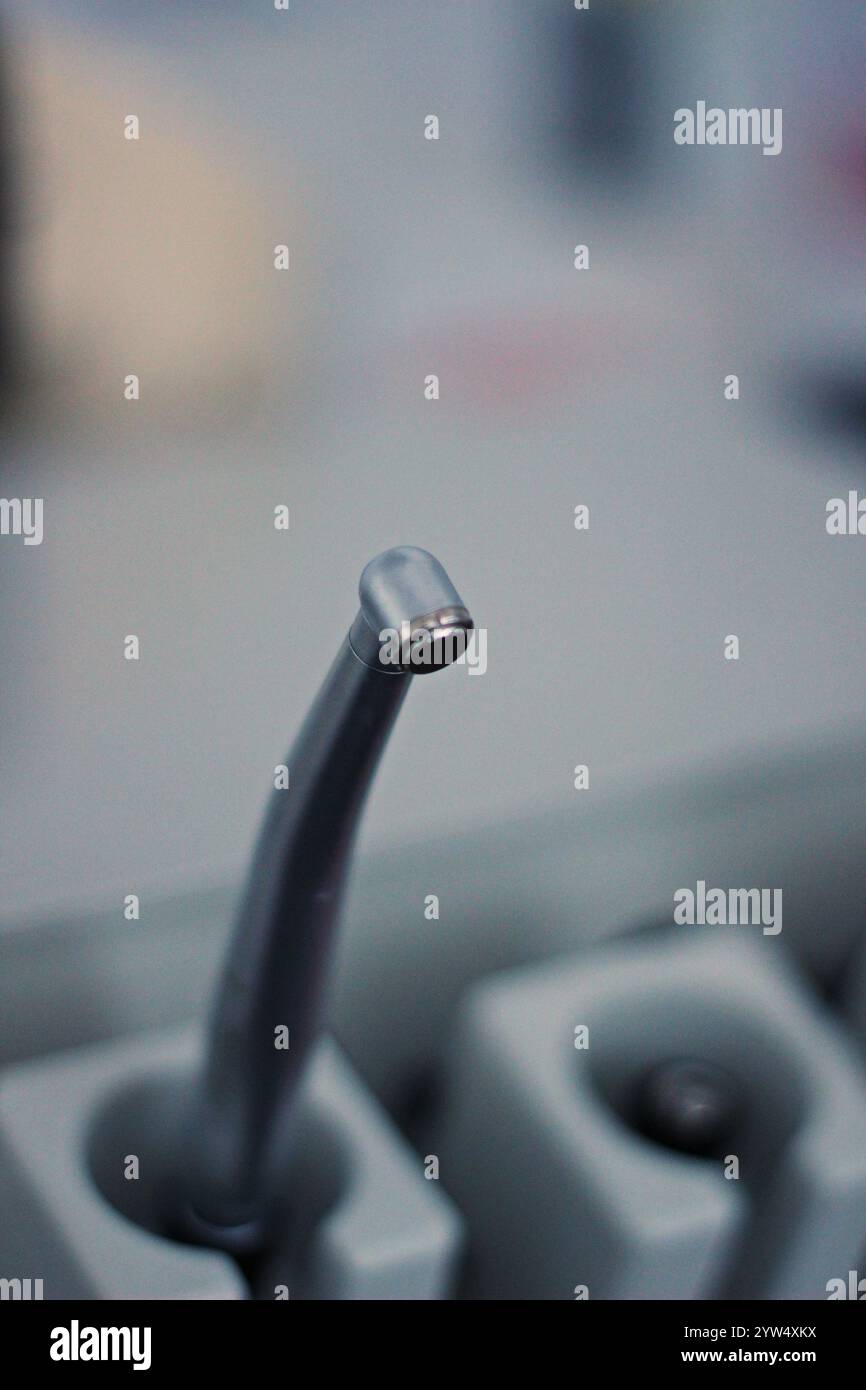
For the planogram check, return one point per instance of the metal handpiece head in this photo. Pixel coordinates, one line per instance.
(412, 619)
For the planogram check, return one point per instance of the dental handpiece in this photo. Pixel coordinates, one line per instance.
(411, 621)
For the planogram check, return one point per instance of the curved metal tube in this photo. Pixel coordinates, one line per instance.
(278, 958)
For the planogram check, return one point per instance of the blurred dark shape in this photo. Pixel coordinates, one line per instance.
(691, 1106)
(839, 403)
(599, 80)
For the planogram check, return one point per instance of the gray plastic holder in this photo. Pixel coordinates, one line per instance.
(565, 1199)
(361, 1221)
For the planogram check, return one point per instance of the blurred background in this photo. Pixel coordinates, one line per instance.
(306, 387)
